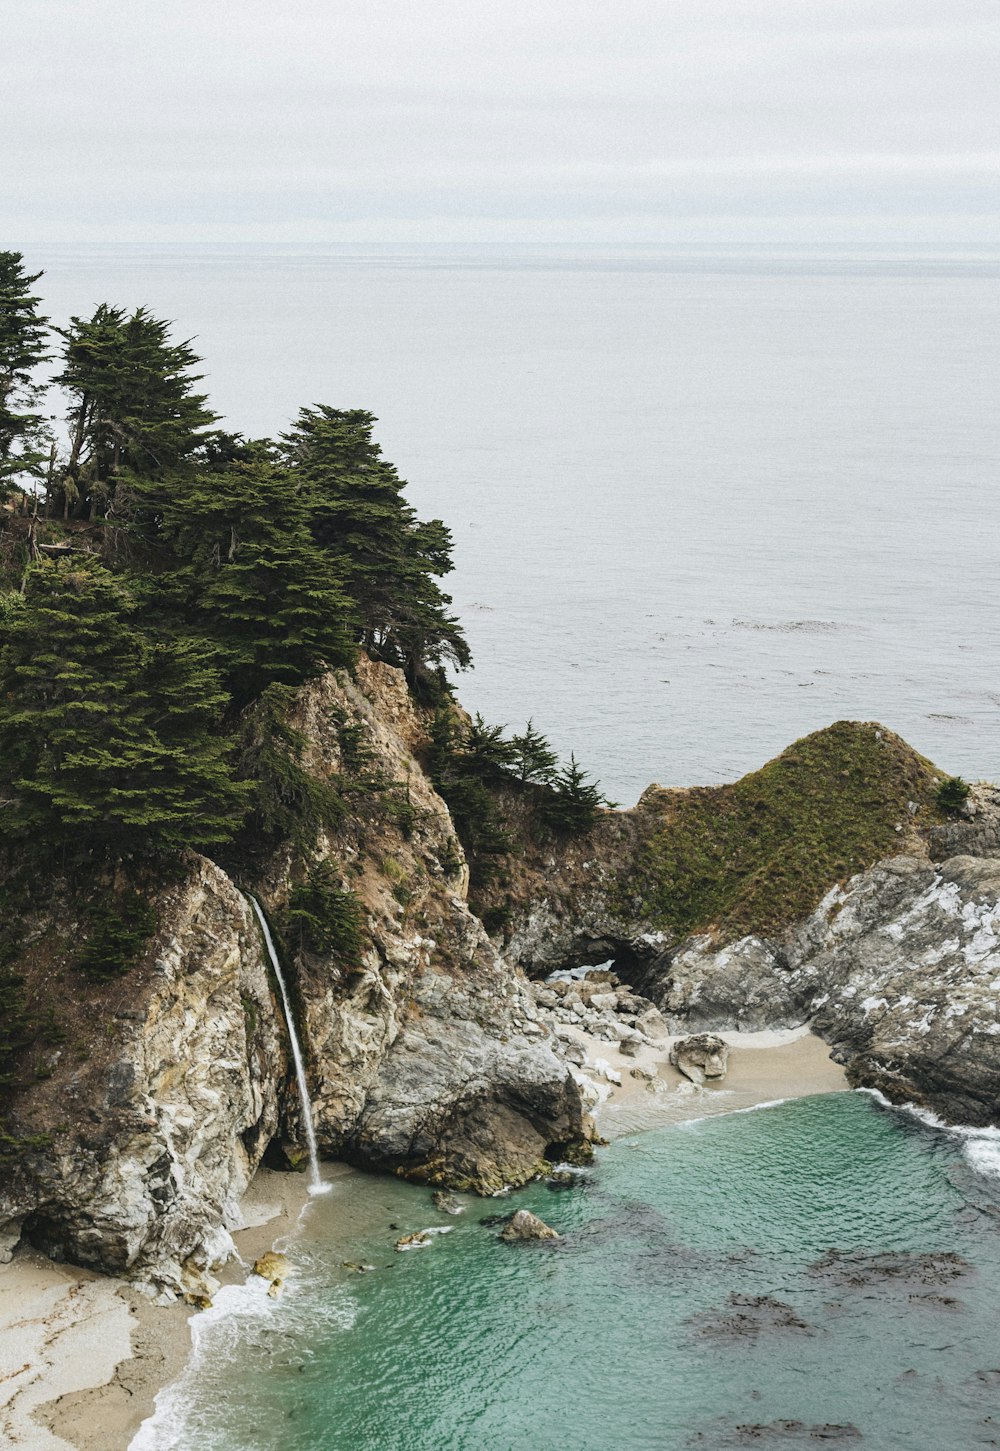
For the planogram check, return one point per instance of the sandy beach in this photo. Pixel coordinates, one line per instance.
(763, 1067)
(83, 1356)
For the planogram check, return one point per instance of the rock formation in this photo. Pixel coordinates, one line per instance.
(807, 892)
(524, 1227)
(424, 1051)
(701, 1056)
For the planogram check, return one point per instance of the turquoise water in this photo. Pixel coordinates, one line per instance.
(619, 1336)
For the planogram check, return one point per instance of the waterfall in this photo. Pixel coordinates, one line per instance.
(315, 1182)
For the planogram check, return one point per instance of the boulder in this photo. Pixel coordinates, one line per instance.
(274, 1268)
(702, 1056)
(525, 1226)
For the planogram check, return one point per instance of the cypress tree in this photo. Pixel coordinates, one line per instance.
(535, 762)
(109, 740)
(133, 408)
(23, 333)
(242, 567)
(388, 559)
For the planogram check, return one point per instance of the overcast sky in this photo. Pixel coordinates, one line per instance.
(869, 122)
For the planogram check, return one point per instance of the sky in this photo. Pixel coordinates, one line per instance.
(861, 123)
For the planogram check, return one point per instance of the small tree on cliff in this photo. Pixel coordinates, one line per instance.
(23, 334)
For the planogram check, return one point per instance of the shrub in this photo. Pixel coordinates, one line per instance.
(323, 917)
(952, 794)
(119, 931)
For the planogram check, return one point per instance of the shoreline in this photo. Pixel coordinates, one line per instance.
(85, 1356)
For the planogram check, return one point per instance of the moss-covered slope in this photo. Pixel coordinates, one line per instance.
(760, 854)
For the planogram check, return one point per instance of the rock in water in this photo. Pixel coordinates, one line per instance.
(420, 1239)
(703, 1055)
(524, 1226)
(272, 1267)
(445, 1202)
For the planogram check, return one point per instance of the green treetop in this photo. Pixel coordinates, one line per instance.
(241, 566)
(133, 408)
(389, 560)
(23, 333)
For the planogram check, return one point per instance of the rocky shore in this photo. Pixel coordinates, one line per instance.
(826, 897)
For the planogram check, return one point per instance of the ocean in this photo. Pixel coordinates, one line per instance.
(693, 1302)
(701, 505)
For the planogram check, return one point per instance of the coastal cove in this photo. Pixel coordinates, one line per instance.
(317, 985)
(699, 1255)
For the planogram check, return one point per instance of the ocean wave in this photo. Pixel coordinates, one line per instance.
(981, 1147)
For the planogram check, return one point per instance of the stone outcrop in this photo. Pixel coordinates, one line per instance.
(159, 1111)
(700, 1056)
(428, 1051)
(424, 1052)
(523, 1227)
(899, 970)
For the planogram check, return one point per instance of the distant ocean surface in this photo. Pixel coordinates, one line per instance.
(701, 504)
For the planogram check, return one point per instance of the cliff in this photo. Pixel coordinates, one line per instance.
(132, 1134)
(827, 887)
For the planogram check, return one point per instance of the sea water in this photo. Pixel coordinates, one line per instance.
(701, 504)
(624, 1334)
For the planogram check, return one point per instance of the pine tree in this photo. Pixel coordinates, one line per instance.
(109, 740)
(23, 333)
(242, 567)
(133, 407)
(534, 761)
(389, 560)
(572, 806)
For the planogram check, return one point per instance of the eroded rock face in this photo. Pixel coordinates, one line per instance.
(898, 971)
(424, 1051)
(427, 1056)
(701, 1056)
(156, 1137)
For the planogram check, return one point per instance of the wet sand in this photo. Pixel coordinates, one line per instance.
(82, 1356)
(763, 1067)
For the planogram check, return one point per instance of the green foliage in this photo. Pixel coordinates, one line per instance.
(760, 854)
(324, 918)
(534, 761)
(242, 568)
(133, 408)
(200, 578)
(108, 735)
(388, 559)
(23, 334)
(458, 775)
(118, 931)
(16, 1029)
(952, 794)
(287, 803)
(571, 806)
(352, 738)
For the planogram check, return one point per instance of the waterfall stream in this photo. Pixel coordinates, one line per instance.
(315, 1182)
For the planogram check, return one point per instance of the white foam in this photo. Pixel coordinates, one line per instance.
(981, 1147)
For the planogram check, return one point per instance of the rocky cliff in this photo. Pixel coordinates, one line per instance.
(872, 915)
(131, 1139)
